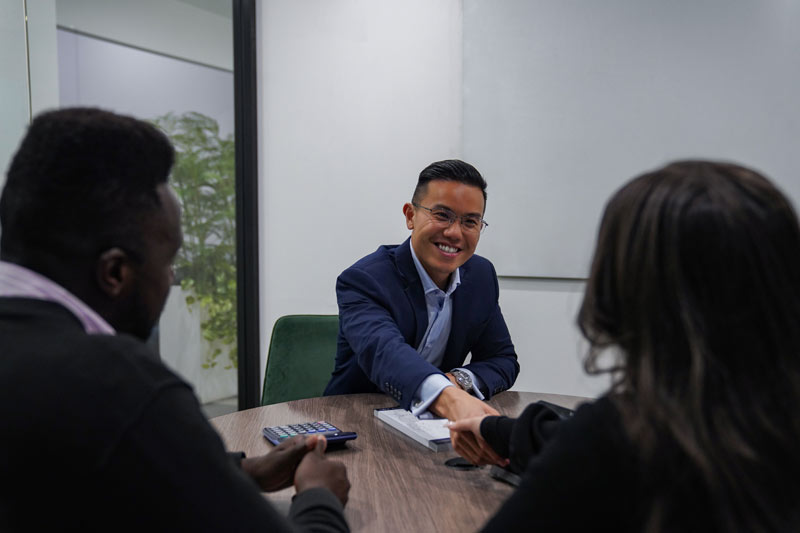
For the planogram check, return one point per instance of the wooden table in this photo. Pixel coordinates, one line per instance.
(397, 484)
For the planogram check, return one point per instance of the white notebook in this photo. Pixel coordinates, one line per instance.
(431, 432)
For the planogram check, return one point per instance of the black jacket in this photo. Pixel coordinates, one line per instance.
(97, 434)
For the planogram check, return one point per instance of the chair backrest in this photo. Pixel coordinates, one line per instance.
(301, 356)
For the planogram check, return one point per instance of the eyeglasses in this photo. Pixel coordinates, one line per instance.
(445, 217)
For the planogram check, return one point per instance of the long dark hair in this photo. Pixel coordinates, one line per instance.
(696, 282)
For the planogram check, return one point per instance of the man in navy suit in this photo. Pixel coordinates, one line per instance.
(410, 314)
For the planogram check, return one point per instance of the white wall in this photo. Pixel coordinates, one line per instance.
(356, 97)
(565, 101)
(541, 318)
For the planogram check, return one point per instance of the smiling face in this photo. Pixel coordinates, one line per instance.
(442, 248)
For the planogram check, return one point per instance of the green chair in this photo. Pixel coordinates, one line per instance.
(301, 356)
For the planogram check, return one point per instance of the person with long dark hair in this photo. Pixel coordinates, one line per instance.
(694, 293)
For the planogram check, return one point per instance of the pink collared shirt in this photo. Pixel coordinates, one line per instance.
(20, 282)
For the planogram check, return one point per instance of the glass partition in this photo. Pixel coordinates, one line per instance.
(169, 62)
(15, 103)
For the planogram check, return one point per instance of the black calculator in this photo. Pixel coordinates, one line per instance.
(276, 434)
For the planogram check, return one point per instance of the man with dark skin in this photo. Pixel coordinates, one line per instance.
(97, 433)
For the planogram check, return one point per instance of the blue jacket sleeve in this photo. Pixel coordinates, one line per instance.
(373, 322)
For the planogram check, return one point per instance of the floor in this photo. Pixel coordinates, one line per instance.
(221, 407)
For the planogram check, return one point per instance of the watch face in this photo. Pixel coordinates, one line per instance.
(463, 380)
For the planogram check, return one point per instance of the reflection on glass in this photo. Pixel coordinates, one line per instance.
(193, 104)
(13, 81)
(203, 178)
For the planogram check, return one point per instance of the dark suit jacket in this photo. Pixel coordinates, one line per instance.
(383, 317)
(119, 437)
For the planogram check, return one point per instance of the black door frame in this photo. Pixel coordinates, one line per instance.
(246, 139)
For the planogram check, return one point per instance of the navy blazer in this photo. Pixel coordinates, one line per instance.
(383, 317)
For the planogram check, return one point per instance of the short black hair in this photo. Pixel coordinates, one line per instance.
(449, 170)
(80, 183)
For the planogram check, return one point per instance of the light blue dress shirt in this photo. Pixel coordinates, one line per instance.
(434, 342)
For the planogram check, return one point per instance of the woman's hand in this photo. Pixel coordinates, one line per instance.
(469, 443)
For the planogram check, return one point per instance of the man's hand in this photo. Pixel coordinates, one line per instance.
(315, 470)
(456, 404)
(470, 444)
(275, 470)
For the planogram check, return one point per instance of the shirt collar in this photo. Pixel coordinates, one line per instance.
(18, 281)
(427, 283)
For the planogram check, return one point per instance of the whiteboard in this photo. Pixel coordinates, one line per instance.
(565, 100)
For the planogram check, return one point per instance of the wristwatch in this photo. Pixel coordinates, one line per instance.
(463, 380)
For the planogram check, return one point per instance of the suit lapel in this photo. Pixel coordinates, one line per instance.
(413, 289)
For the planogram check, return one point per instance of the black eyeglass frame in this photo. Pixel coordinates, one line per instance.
(452, 217)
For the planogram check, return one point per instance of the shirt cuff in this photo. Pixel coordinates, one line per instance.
(426, 394)
(476, 383)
